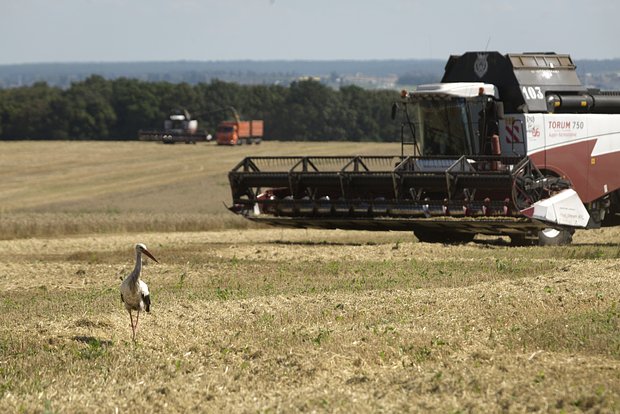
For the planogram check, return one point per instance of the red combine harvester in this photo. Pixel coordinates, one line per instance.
(508, 145)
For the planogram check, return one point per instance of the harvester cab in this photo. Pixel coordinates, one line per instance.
(180, 121)
(508, 145)
(451, 119)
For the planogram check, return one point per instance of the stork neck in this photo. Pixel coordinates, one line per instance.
(138, 267)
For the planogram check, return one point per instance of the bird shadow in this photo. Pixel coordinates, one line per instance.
(595, 244)
(319, 243)
(91, 340)
(492, 242)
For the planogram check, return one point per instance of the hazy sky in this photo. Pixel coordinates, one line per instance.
(147, 30)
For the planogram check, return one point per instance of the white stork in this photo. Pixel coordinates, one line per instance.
(134, 292)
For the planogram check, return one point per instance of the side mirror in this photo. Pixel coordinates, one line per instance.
(394, 109)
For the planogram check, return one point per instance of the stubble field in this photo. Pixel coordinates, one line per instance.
(249, 319)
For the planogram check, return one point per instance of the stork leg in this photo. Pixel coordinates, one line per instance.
(133, 329)
(137, 317)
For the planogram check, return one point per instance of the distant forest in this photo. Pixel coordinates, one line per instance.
(298, 100)
(101, 109)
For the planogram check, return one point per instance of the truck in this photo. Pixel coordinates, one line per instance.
(508, 145)
(179, 127)
(238, 132)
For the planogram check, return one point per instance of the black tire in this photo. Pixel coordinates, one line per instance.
(554, 237)
(429, 236)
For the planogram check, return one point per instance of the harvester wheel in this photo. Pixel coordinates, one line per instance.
(554, 237)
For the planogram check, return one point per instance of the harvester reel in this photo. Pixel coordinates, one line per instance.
(524, 192)
(533, 186)
(530, 185)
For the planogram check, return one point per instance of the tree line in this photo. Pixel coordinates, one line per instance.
(100, 109)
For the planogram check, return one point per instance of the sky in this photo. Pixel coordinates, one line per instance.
(36, 31)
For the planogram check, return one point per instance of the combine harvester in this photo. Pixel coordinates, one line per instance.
(509, 145)
(180, 127)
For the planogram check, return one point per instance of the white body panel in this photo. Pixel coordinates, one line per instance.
(583, 148)
(543, 132)
(565, 209)
(458, 89)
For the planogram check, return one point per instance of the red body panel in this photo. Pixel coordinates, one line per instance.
(591, 177)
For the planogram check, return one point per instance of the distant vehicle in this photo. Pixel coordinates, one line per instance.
(178, 128)
(239, 132)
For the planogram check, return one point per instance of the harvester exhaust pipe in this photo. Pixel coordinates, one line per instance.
(495, 150)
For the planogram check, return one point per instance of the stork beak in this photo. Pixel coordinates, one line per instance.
(146, 252)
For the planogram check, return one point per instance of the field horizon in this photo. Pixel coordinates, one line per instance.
(135, 176)
(52, 188)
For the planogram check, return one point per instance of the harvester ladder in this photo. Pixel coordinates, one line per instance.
(409, 124)
(412, 142)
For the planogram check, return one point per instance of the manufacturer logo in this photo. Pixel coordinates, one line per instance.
(547, 74)
(481, 65)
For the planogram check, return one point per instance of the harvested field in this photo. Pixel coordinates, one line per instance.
(273, 320)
